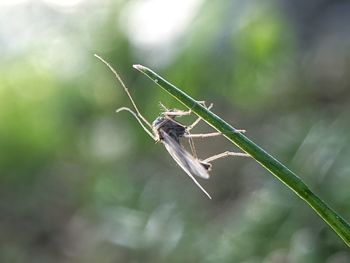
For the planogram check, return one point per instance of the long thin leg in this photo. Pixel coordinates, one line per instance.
(174, 112)
(179, 113)
(164, 109)
(190, 140)
(223, 155)
(206, 135)
(140, 117)
(198, 119)
(190, 127)
(139, 120)
(193, 148)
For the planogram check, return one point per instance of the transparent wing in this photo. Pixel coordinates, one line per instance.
(185, 160)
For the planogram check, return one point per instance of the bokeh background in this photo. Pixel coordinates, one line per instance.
(80, 183)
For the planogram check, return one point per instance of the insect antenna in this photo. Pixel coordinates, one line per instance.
(142, 120)
(126, 90)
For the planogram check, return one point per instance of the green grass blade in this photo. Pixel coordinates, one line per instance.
(336, 222)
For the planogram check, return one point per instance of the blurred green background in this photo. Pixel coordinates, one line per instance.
(79, 183)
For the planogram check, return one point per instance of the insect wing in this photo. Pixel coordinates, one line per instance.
(186, 161)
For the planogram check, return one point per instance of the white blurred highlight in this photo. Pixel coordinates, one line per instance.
(11, 2)
(63, 3)
(156, 22)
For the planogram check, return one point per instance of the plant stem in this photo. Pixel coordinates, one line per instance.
(336, 222)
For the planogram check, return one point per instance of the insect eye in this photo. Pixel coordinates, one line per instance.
(157, 121)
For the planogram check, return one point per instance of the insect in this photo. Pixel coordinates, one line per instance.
(167, 130)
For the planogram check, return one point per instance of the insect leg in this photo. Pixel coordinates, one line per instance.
(164, 108)
(173, 112)
(179, 113)
(206, 135)
(193, 148)
(198, 119)
(176, 113)
(139, 115)
(224, 154)
(139, 120)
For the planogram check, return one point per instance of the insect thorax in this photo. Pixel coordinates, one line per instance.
(168, 125)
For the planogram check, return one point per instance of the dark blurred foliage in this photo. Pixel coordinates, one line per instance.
(79, 183)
